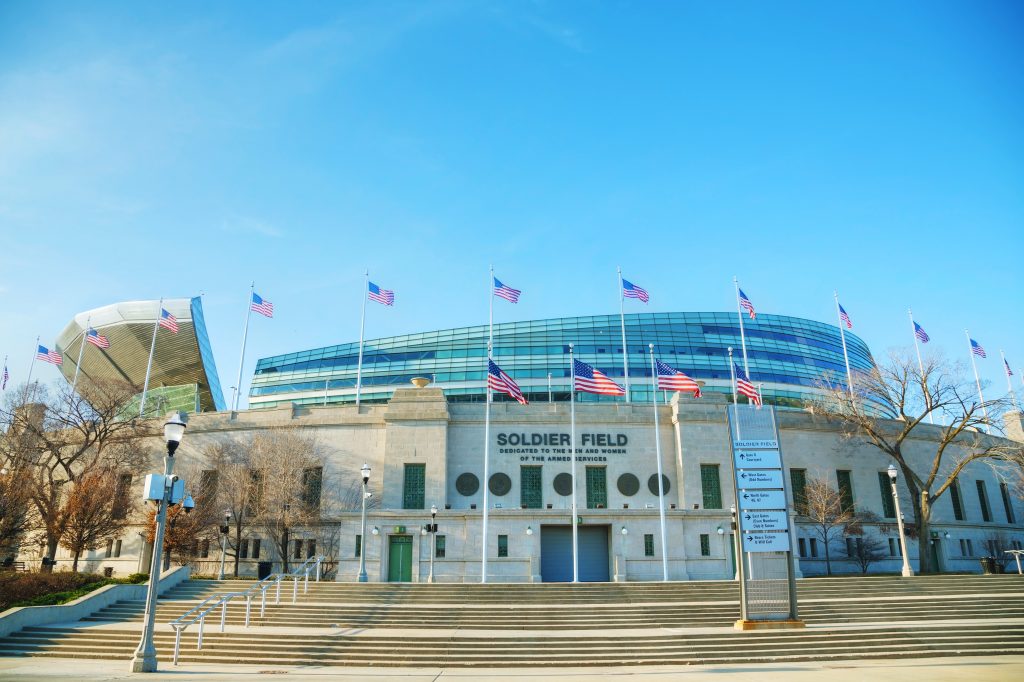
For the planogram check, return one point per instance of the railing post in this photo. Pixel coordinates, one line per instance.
(199, 642)
(177, 644)
(295, 589)
(248, 608)
(277, 599)
(223, 612)
(318, 559)
(305, 583)
(263, 600)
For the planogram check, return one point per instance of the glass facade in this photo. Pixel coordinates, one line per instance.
(788, 355)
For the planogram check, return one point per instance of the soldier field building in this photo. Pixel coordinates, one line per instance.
(425, 443)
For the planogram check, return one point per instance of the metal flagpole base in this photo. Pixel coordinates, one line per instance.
(144, 662)
(907, 572)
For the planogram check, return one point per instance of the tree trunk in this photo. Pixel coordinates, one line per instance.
(51, 551)
(828, 559)
(238, 544)
(923, 512)
(74, 564)
(284, 551)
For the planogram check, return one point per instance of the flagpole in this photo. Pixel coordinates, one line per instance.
(622, 321)
(549, 387)
(842, 337)
(920, 366)
(149, 363)
(32, 365)
(1009, 382)
(245, 336)
(572, 451)
(5, 372)
(743, 334)
(977, 379)
(657, 453)
(490, 316)
(362, 325)
(81, 350)
(487, 457)
(735, 398)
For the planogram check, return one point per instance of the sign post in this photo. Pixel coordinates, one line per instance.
(762, 521)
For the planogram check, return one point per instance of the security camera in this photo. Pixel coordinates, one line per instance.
(369, 495)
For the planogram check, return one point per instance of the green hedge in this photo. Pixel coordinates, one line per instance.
(47, 589)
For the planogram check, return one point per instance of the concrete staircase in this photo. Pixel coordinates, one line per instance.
(550, 625)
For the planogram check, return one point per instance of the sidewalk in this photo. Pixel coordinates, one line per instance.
(964, 669)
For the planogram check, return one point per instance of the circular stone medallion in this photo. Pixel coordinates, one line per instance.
(500, 484)
(467, 484)
(652, 484)
(628, 484)
(563, 484)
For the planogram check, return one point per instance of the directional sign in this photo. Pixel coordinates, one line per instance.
(759, 444)
(759, 459)
(763, 520)
(759, 478)
(762, 499)
(766, 542)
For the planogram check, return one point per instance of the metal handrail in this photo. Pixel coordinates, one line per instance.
(180, 624)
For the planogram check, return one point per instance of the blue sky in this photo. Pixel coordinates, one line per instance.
(170, 149)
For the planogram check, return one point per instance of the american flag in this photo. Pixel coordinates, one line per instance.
(921, 334)
(630, 290)
(671, 379)
(844, 318)
(746, 304)
(168, 321)
(3, 384)
(744, 387)
(97, 339)
(261, 305)
(977, 349)
(47, 355)
(497, 380)
(1009, 372)
(506, 292)
(590, 380)
(381, 295)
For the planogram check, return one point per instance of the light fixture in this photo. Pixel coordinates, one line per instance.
(376, 530)
(423, 531)
(946, 535)
(433, 510)
(892, 472)
(529, 530)
(366, 473)
(188, 504)
(720, 530)
(624, 531)
(174, 429)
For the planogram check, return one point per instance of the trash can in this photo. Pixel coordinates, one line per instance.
(988, 565)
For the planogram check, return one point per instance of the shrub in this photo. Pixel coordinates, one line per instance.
(45, 589)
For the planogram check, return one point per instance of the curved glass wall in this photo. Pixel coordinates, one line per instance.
(787, 355)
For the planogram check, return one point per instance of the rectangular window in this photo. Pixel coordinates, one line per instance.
(122, 499)
(297, 549)
(648, 544)
(204, 549)
(798, 483)
(986, 513)
(502, 545)
(845, 483)
(954, 496)
(243, 550)
(256, 548)
(705, 544)
(310, 549)
(892, 546)
(312, 482)
(413, 486)
(117, 548)
(530, 496)
(885, 487)
(710, 486)
(254, 501)
(802, 543)
(851, 549)
(963, 547)
(597, 488)
(1007, 503)
(970, 548)
(814, 548)
(110, 549)
(208, 485)
(359, 545)
(439, 546)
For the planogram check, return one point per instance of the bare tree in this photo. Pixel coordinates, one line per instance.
(229, 475)
(13, 509)
(828, 516)
(92, 516)
(901, 391)
(287, 482)
(55, 439)
(867, 550)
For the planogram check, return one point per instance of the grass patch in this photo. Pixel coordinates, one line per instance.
(47, 589)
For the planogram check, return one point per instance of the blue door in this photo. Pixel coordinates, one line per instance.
(556, 554)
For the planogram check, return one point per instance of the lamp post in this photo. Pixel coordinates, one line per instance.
(362, 526)
(433, 541)
(907, 570)
(144, 659)
(224, 542)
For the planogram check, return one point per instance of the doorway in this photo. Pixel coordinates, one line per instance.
(400, 558)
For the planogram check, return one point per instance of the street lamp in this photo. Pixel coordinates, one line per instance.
(907, 570)
(144, 659)
(433, 541)
(224, 542)
(362, 526)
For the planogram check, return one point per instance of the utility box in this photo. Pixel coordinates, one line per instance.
(177, 490)
(153, 489)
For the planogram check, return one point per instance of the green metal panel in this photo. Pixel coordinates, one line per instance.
(705, 544)
(798, 484)
(399, 559)
(413, 486)
(530, 489)
(597, 487)
(954, 496)
(711, 486)
(648, 544)
(885, 487)
(845, 489)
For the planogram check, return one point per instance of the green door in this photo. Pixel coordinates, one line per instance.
(400, 559)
